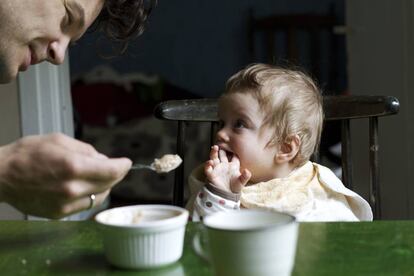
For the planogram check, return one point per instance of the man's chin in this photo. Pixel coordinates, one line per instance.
(6, 77)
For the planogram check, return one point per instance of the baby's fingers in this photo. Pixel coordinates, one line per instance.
(223, 156)
(245, 177)
(208, 164)
(208, 168)
(241, 181)
(214, 155)
(235, 160)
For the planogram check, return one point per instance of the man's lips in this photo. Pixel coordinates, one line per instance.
(33, 57)
(26, 63)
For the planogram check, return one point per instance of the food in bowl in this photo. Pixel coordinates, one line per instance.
(143, 236)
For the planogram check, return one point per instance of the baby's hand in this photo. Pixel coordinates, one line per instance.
(225, 174)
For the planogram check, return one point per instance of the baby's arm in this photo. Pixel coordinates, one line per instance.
(208, 202)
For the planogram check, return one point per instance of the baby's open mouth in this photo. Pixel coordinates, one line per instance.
(229, 155)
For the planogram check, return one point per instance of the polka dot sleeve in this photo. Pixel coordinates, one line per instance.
(207, 203)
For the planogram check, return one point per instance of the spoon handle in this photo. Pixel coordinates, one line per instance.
(141, 166)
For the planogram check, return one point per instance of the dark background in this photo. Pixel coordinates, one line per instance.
(197, 44)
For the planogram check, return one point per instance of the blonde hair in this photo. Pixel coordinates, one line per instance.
(291, 101)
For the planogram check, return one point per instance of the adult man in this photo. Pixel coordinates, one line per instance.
(54, 175)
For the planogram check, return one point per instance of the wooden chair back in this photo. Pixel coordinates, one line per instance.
(306, 39)
(336, 108)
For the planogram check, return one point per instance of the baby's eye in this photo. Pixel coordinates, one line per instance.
(239, 124)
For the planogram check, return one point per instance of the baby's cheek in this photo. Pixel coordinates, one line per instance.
(247, 165)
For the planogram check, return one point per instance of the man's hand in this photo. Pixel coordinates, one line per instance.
(53, 175)
(225, 174)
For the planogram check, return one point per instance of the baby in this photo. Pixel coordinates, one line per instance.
(270, 125)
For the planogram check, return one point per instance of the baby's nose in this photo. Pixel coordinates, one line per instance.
(222, 136)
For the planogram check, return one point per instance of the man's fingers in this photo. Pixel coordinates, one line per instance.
(84, 203)
(96, 169)
(78, 188)
(73, 145)
(81, 160)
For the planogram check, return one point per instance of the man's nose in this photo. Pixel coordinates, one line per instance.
(57, 50)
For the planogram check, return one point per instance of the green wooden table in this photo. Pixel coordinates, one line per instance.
(68, 248)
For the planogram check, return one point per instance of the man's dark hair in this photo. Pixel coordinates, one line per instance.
(122, 20)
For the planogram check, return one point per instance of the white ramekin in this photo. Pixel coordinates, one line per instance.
(146, 244)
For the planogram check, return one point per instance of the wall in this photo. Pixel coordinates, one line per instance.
(381, 62)
(10, 123)
(194, 44)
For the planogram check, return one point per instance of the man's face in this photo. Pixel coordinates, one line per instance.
(32, 31)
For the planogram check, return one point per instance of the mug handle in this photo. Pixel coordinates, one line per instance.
(198, 246)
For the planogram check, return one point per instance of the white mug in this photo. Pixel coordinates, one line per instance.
(249, 242)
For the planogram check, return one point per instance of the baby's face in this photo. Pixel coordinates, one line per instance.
(242, 133)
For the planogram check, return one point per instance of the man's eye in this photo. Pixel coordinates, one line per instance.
(66, 21)
(68, 18)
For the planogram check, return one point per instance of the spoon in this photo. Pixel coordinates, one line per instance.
(165, 164)
(137, 166)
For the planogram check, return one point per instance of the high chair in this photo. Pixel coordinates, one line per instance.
(336, 108)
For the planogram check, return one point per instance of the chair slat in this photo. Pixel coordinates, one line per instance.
(178, 190)
(346, 154)
(374, 191)
(213, 131)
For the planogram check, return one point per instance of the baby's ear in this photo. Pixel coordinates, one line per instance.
(288, 150)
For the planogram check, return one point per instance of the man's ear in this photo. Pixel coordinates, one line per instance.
(288, 150)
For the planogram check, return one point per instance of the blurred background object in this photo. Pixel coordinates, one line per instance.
(188, 51)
